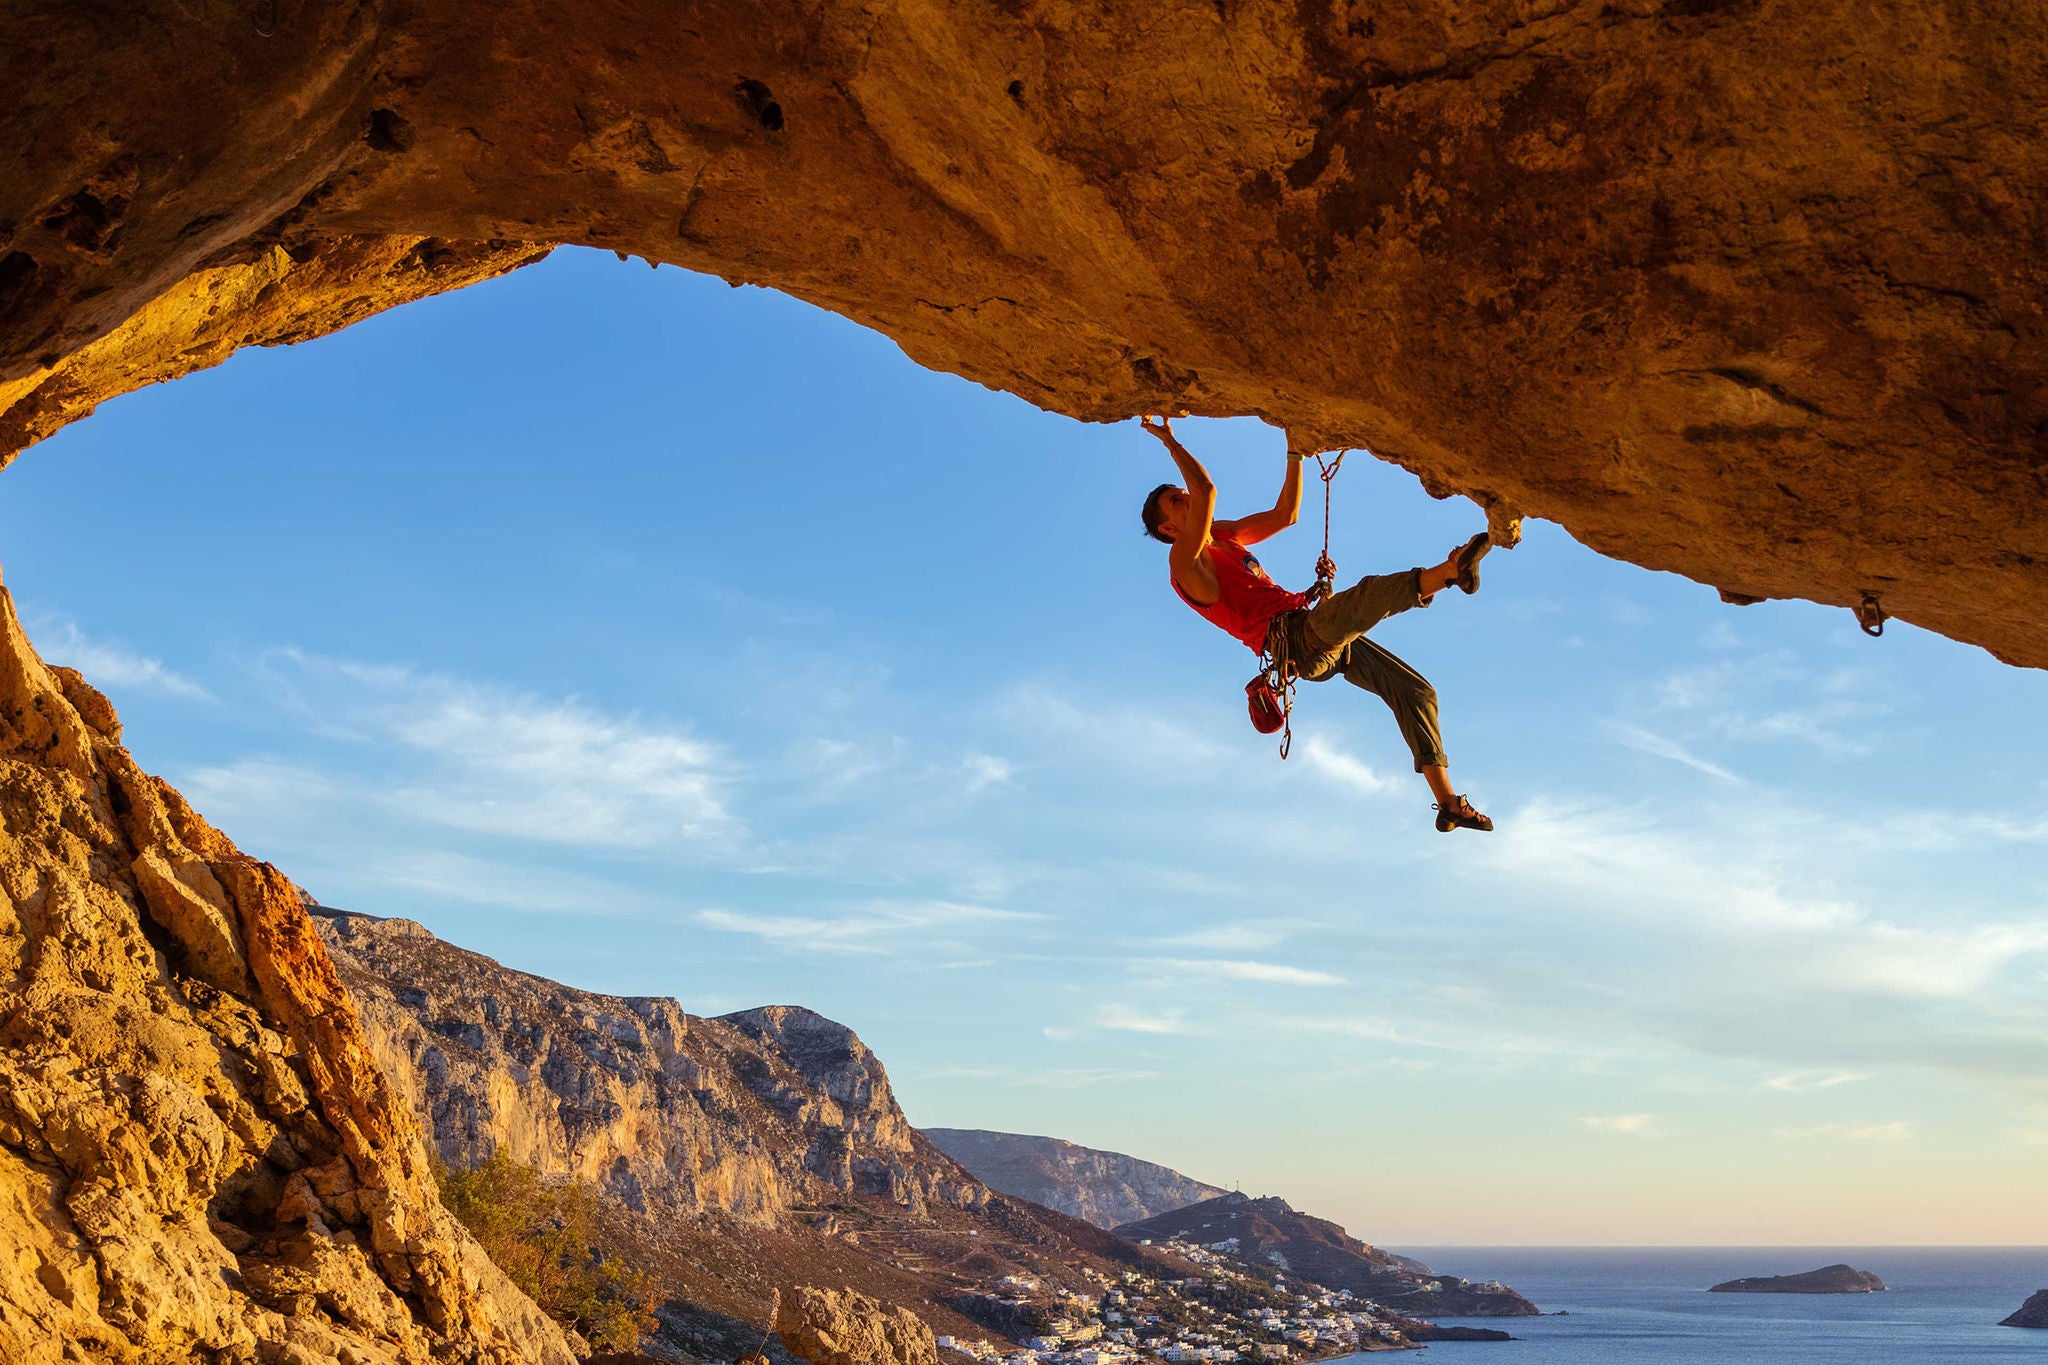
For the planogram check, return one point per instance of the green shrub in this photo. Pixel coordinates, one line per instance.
(542, 1235)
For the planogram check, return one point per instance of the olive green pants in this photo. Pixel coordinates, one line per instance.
(1329, 638)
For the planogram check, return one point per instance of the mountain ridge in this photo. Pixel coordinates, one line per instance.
(736, 1155)
(1269, 1232)
(1101, 1187)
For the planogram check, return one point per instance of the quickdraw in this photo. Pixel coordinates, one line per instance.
(1870, 615)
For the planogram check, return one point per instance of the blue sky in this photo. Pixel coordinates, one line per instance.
(667, 638)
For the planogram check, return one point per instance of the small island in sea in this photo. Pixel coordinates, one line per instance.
(1830, 1279)
(2032, 1313)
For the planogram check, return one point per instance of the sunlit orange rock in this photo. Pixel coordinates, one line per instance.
(199, 1159)
(1750, 290)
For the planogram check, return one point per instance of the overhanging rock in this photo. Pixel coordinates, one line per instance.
(1748, 291)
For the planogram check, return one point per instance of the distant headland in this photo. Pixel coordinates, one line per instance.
(2032, 1313)
(1831, 1279)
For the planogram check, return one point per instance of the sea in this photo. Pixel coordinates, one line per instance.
(1650, 1304)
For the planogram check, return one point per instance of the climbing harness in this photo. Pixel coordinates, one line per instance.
(1270, 696)
(1870, 615)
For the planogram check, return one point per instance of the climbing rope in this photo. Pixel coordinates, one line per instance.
(1326, 567)
(1273, 690)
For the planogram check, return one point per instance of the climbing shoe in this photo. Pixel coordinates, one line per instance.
(1457, 813)
(1466, 560)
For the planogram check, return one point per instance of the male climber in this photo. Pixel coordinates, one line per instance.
(1216, 575)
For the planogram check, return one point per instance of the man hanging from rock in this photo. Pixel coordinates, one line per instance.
(1217, 575)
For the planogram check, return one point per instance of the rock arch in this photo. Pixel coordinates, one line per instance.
(1749, 290)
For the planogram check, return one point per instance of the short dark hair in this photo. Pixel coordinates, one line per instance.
(1152, 514)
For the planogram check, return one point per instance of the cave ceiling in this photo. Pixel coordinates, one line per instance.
(1746, 291)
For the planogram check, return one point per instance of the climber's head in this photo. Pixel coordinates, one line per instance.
(1164, 507)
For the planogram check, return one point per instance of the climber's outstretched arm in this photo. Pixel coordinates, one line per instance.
(1185, 558)
(1286, 509)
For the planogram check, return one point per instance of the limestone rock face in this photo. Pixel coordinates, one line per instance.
(833, 1327)
(1750, 290)
(1103, 1188)
(199, 1160)
(751, 1114)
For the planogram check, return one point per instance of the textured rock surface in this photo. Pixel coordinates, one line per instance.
(2032, 1313)
(741, 1155)
(834, 1327)
(1104, 1188)
(1750, 290)
(752, 1114)
(199, 1160)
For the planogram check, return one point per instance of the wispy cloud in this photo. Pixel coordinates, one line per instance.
(495, 760)
(1244, 936)
(868, 928)
(1128, 1020)
(503, 885)
(1728, 697)
(1242, 969)
(1333, 763)
(1896, 1131)
(1625, 1125)
(986, 770)
(1143, 737)
(112, 667)
(1614, 859)
(1377, 1030)
(1644, 741)
(1797, 1082)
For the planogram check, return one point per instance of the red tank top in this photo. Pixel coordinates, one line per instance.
(1248, 600)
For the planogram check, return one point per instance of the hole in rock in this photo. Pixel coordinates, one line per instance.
(17, 269)
(389, 132)
(759, 101)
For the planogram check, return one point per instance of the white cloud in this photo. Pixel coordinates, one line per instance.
(1626, 1125)
(1376, 1030)
(1240, 969)
(866, 929)
(1726, 697)
(1143, 738)
(1246, 936)
(494, 760)
(1796, 1082)
(1636, 737)
(986, 770)
(1896, 1131)
(501, 885)
(259, 790)
(1615, 861)
(111, 667)
(1128, 1020)
(1342, 768)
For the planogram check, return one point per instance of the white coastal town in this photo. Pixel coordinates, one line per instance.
(1221, 1313)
